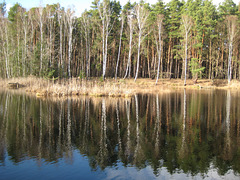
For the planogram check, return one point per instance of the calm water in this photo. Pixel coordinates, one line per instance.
(181, 135)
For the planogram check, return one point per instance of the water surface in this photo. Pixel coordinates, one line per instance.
(180, 135)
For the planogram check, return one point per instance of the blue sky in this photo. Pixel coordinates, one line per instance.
(78, 5)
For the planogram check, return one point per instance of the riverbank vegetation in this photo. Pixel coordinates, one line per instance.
(121, 88)
(192, 40)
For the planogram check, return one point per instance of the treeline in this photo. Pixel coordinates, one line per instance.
(180, 39)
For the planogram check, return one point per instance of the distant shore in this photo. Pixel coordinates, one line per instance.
(109, 87)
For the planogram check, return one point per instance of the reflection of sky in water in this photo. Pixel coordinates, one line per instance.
(79, 169)
(147, 173)
(34, 169)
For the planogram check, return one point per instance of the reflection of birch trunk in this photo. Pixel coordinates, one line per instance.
(40, 135)
(17, 131)
(181, 152)
(69, 124)
(128, 128)
(103, 142)
(24, 117)
(137, 128)
(5, 117)
(3, 134)
(228, 106)
(50, 124)
(118, 127)
(157, 125)
(60, 127)
(86, 123)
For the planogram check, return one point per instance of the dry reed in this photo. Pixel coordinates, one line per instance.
(110, 87)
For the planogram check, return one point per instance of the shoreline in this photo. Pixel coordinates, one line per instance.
(111, 88)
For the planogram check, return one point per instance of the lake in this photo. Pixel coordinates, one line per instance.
(181, 135)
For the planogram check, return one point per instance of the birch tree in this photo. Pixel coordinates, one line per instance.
(70, 21)
(105, 13)
(5, 41)
(60, 20)
(159, 41)
(25, 23)
(232, 30)
(50, 17)
(86, 28)
(141, 15)
(40, 22)
(120, 43)
(187, 24)
(130, 24)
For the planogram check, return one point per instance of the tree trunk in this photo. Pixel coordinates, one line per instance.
(138, 57)
(119, 49)
(185, 68)
(41, 40)
(159, 50)
(128, 69)
(230, 61)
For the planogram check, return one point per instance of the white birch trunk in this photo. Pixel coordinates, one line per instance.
(141, 15)
(230, 61)
(87, 42)
(70, 26)
(159, 44)
(5, 45)
(138, 57)
(128, 69)
(105, 17)
(119, 49)
(186, 20)
(41, 38)
(69, 50)
(232, 27)
(6, 51)
(25, 50)
(185, 68)
(60, 62)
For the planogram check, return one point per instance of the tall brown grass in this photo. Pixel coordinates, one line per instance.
(109, 87)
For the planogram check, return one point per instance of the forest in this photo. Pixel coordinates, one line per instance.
(192, 39)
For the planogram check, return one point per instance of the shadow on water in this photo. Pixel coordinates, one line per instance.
(188, 132)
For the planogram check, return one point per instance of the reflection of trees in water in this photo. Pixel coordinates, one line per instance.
(128, 153)
(103, 154)
(183, 146)
(227, 149)
(157, 126)
(3, 131)
(163, 130)
(40, 134)
(69, 135)
(118, 130)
